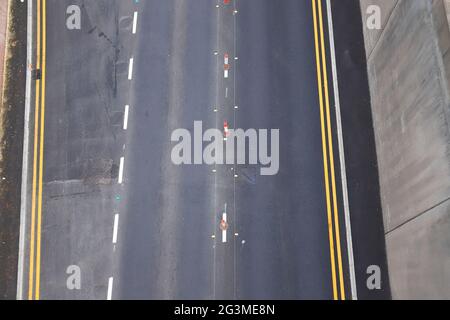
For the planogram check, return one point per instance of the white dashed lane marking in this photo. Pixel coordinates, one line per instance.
(110, 287)
(130, 69)
(224, 231)
(122, 160)
(125, 117)
(116, 227)
(135, 22)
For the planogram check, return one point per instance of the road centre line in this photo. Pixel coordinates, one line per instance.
(331, 154)
(135, 15)
(35, 157)
(325, 153)
(38, 157)
(214, 170)
(130, 69)
(125, 117)
(41, 151)
(122, 160)
(115, 228)
(327, 143)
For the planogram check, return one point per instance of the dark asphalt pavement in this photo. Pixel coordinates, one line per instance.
(169, 245)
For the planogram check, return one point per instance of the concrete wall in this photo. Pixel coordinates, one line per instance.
(409, 72)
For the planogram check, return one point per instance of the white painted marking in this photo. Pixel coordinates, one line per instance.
(225, 74)
(110, 288)
(116, 227)
(25, 152)
(122, 160)
(125, 117)
(130, 69)
(348, 227)
(135, 22)
(224, 232)
(226, 92)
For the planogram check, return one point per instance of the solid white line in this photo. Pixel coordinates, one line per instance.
(224, 232)
(214, 217)
(110, 288)
(26, 145)
(130, 69)
(125, 117)
(116, 227)
(235, 219)
(135, 22)
(121, 170)
(348, 227)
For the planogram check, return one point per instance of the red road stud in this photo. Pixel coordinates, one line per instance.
(226, 65)
(225, 129)
(223, 225)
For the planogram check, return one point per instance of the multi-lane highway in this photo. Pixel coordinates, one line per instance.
(108, 214)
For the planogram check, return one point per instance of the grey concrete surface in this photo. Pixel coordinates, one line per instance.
(371, 36)
(419, 258)
(409, 81)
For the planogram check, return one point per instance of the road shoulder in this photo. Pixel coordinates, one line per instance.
(11, 142)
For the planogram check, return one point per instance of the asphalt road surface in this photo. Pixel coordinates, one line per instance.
(108, 214)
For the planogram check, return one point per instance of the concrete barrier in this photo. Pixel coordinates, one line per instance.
(409, 73)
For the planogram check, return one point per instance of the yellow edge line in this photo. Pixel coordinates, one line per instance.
(330, 143)
(41, 160)
(325, 162)
(36, 125)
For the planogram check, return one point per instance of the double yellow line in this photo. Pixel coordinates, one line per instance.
(38, 157)
(328, 156)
